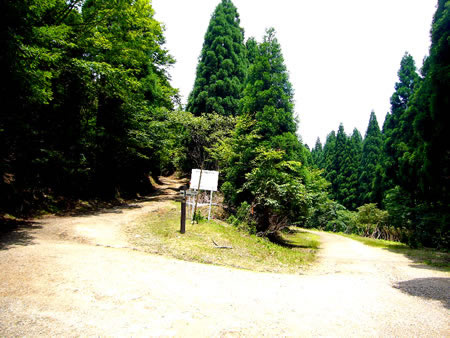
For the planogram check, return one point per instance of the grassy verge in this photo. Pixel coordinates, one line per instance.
(159, 233)
(421, 256)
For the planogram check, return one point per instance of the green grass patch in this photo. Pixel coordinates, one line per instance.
(427, 256)
(159, 233)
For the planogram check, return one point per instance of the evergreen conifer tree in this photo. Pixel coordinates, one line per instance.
(424, 157)
(317, 155)
(398, 125)
(222, 65)
(352, 201)
(329, 150)
(265, 155)
(268, 95)
(267, 111)
(340, 165)
(430, 109)
(370, 159)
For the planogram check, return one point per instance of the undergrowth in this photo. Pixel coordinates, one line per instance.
(159, 233)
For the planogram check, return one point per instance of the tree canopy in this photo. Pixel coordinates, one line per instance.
(222, 65)
(88, 86)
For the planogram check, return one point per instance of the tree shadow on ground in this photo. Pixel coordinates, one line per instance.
(280, 240)
(16, 232)
(114, 210)
(117, 207)
(428, 288)
(436, 261)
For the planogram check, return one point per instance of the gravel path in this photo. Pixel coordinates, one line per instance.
(75, 276)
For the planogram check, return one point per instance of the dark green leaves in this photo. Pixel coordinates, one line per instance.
(222, 65)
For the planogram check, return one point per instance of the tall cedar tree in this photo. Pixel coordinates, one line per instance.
(344, 166)
(268, 94)
(267, 119)
(352, 201)
(329, 151)
(265, 166)
(340, 166)
(222, 65)
(317, 155)
(370, 159)
(423, 192)
(397, 130)
(340, 159)
(431, 107)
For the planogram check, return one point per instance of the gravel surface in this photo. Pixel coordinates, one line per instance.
(72, 276)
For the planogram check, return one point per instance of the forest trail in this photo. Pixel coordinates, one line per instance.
(72, 276)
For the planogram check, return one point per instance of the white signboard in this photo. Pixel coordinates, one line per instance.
(210, 179)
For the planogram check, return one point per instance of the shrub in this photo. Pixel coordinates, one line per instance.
(280, 197)
(344, 221)
(371, 221)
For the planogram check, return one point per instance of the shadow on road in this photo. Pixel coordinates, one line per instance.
(115, 207)
(435, 260)
(16, 232)
(278, 238)
(20, 232)
(428, 288)
(114, 210)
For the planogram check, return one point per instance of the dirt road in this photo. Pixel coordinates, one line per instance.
(74, 276)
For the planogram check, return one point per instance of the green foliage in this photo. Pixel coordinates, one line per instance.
(397, 128)
(419, 256)
(322, 211)
(222, 65)
(430, 108)
(279, 195)
(344, 221)
(197, 141)
(370, 219)
(244, 219)
(329, 150)
(159, 233)
(88, 95)
(352, 199)
(417, 165)
(340, 159)
(371, 158)
(426, 224)
(317, 155)
(268, 94)
(243, 213)
(263, 160)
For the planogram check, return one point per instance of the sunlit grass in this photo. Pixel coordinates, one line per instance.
(424, 256)
(159, 233)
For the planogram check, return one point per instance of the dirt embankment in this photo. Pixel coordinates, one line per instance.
(74, 276)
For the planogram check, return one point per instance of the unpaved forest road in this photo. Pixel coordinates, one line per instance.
(55, 281)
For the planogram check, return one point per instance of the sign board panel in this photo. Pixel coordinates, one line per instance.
(210, 179)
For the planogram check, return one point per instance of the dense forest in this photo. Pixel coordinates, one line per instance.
(89, 113)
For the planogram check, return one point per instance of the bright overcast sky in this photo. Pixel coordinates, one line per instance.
(342, 56)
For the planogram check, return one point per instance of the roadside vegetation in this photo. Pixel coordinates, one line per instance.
(217, 242)
(427, 256)
(92, 116)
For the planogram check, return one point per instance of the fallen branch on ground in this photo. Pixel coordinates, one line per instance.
(221, 246)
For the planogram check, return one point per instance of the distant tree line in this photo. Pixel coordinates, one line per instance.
(403, 168)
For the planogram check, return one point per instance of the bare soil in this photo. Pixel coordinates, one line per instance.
(72, 276)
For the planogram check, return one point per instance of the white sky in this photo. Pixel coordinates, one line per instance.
(342, 56)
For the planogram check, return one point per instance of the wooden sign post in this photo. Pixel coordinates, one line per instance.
(183, 210)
